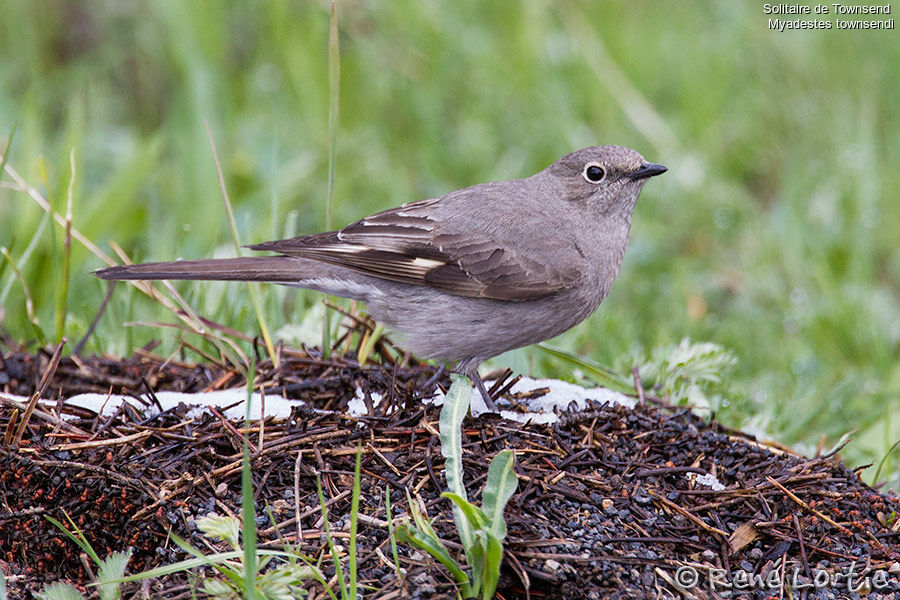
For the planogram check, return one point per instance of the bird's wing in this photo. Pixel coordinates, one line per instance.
(423, 244)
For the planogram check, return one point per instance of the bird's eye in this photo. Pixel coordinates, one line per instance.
(594, 173)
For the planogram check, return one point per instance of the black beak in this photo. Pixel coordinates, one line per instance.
(647, 170)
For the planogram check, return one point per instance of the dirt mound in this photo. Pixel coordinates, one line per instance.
(612, 502)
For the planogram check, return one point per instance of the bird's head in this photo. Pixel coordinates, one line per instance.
(606, 179)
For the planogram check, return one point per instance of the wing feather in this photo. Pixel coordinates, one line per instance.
(413, 244)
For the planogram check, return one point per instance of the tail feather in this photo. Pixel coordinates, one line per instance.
(275, 269)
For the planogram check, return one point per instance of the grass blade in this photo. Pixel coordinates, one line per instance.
(29, 303)
(201, 561)
(182, 310)
(883, 461)
(26, 255)
(248, 509)
(75, 535)
(391, 533)
(603, 374)
(63, 294)
(334, 97)
(370, 338)
(338, 571)
(354, 520)
(9, 140)
(232, 225)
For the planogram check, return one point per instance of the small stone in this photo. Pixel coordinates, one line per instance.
(606, 504)
(221, 490)
(642, 499)
(551, 566)
(423, 585)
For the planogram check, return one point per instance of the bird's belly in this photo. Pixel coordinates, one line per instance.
(436, 325)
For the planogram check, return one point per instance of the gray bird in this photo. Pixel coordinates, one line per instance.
(471, 274)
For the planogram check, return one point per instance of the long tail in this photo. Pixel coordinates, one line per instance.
(286, 270)
(275, 269)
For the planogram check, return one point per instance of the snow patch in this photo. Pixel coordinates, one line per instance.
(560, 397)
(707, 479)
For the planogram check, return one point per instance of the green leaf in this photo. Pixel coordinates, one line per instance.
(423, 524)
(222, 528)
(59, 591)
(435, 548)
(111, 570)
(420, 519)
(217, 588)
(456, 405)
(689, 373)
(283, 583)
(474, 515)
(501, 485)
(493, 558)
(476, 556)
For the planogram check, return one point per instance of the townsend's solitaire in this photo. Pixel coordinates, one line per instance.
(471, 274)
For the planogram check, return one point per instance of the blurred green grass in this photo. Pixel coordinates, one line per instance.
(775, 234)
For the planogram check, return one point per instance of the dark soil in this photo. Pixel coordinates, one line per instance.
(606, 506)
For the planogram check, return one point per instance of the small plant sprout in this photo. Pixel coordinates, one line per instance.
(110, 570)
(481, 530)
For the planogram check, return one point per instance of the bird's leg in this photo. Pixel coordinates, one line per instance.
(469, 368)
(492, 406)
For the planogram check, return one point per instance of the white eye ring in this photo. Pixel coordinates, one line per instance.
(590, 173)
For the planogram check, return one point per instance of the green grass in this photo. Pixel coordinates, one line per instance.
(774, 234)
